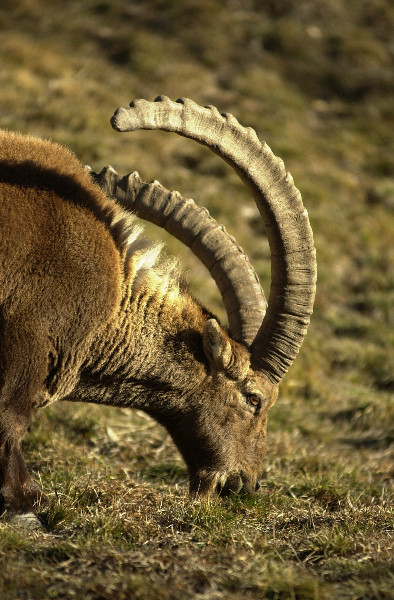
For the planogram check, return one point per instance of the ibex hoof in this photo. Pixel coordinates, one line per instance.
(25, 521)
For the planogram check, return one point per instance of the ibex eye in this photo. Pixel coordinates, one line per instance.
(254, 400)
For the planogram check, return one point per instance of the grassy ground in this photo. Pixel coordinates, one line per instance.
(316, 81)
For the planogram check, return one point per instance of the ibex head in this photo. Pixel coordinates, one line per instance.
(223, 441)
(220, 427)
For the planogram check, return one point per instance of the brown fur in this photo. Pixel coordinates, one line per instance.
(86, 315)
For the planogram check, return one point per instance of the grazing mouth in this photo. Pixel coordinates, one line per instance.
(232, 485)
(207, 483)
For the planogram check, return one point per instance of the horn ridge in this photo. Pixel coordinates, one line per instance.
(280, 205)
(216, 249)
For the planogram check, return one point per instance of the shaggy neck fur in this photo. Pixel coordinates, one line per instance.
(149, 350)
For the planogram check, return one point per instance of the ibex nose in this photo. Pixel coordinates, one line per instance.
(257, 486)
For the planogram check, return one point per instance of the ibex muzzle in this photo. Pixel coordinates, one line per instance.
(90, 312)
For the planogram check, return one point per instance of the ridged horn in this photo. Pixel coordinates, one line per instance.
(293, 258)
(229, 266)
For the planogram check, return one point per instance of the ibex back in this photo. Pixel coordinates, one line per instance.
(89, 311)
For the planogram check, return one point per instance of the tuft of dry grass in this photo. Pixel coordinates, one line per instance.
(316, 83)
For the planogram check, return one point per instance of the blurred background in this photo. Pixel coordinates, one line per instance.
(315, 79)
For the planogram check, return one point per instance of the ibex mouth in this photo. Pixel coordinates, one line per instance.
(237, 484)
(232, 485)
(205, 484)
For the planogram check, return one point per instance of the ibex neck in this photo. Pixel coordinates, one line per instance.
(150, 356)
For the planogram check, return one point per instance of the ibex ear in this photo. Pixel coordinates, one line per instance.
(217, 347)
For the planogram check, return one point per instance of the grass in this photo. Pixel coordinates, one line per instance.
(316, 83)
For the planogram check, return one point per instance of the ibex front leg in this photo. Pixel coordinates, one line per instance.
(20, 377)
(18, 492)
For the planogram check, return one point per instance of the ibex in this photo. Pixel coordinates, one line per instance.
(90, 312)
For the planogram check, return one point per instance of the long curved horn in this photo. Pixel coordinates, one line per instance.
(293, 260)
(218, 251)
